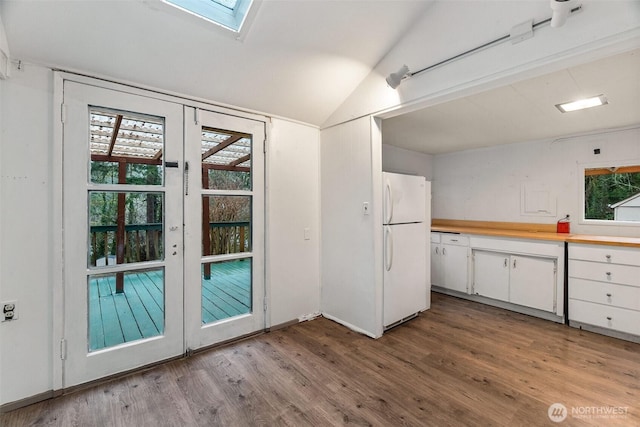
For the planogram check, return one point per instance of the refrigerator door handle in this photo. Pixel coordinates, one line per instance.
(388, 253)
(389, 204)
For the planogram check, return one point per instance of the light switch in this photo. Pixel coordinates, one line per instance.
(365, 208)
(307, 234)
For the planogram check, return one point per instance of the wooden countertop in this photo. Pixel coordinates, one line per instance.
(604, 240)
(527, 231)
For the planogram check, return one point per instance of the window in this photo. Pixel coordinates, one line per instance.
(612, 193)
(227, 13)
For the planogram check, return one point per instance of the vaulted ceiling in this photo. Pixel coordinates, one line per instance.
(300, 58)
(303, 59)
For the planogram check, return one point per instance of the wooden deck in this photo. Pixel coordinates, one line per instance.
(138, 312)
(228, 292)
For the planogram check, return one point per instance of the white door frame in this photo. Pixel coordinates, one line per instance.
(56, 268)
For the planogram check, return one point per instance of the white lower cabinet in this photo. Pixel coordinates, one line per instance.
(604, 288)
(605, 316)
(491, 275)
(450, 261)
(532, 282)
(527, 274)
(529, 281)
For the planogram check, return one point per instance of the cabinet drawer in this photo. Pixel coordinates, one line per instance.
(605, 293)
(606, 254)
(610, 273)
(435, 237)
(618, 319)
(455, 239)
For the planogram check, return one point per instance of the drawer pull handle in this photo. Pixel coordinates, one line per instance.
(609, 295)
(454, 240)
(608, 273)
(608, 256)
(609, 317)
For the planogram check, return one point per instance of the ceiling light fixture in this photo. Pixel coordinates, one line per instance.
(581, 104)
(561, 9)
(396, 78)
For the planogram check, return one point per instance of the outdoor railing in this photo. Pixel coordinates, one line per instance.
(144, 242)
(228, 237)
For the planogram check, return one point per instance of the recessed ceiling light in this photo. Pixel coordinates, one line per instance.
(581, 104)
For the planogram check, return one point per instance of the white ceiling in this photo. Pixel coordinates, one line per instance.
(525, 111)
(300, 58)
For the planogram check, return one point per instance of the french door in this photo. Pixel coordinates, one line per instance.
(163, 230)
(224, 252)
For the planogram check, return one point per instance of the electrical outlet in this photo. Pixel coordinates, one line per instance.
(9, 311)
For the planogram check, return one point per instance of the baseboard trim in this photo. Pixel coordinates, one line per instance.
(11, 406)
(283, 325)
(604, 331)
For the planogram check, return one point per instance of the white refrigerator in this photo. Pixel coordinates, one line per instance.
(406, 225)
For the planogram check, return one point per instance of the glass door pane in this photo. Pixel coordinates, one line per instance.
(226, 227)
(134, 313)
(224, 223)
(125, 227)
(226, 289)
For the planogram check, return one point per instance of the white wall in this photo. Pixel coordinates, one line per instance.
(27, 229)
(486, 184)
(601, 29)
(351, 241)
(5, 55)
(399, 160)
(26, 233)
(294, 204)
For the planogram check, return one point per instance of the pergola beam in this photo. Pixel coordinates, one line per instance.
(240, 161)
(114, 134)
(226, 167)
(213, 150)
(125, 159)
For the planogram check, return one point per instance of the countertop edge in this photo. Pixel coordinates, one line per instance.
(536, 235)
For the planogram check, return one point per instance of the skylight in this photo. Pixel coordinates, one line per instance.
(227, 13)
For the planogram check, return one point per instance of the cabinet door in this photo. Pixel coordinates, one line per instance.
(455, 266)
(491, 275)
(436, 265)
(533, 282)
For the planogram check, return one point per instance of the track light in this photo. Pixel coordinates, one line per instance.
(396, 78)
(561, 9)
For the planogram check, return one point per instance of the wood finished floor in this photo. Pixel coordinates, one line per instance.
(459, 364)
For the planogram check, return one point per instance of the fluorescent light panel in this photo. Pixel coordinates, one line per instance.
(581, 104)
